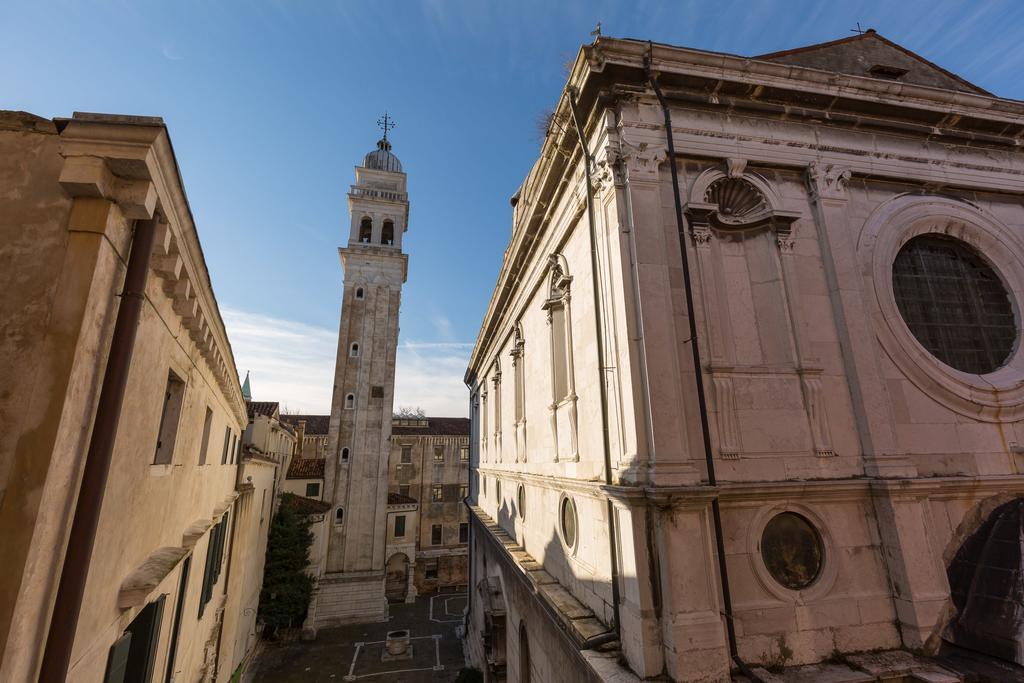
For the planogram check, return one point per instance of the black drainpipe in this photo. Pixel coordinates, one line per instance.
(698, 369)
(588, 162)
(75, 571)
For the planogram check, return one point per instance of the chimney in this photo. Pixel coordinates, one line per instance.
(300, 438)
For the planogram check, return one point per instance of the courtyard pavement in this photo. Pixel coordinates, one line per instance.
(353, 653)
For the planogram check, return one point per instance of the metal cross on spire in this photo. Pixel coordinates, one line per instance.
(386, 123)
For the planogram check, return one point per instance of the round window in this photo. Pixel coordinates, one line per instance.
(954, 303)
(792, 550)
(521, 501)
(568, 520)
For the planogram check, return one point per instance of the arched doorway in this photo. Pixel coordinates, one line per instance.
(396, 584)
(524, 654)
(986, 585)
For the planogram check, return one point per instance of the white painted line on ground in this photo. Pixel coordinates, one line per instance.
(447, 597)
(352, 666)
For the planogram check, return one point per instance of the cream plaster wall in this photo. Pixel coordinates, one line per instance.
(76, 189)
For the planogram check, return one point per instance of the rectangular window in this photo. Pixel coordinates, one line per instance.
(464, 453)
(214, 562)
(463, 491)
(133, 655)
(227, 446)
(430, 569)
(207, 424)
(231, 458)
(438, 453)
(403, 489)
(435, 534)
(312, 490)
(436, 493)
(400, 526)
(376, 391)
(179, 607)
(406, 455)
(174, 393)
(560, 360)
(464, 532)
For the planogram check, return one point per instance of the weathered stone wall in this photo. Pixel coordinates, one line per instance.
(820, 401)
(420, 476)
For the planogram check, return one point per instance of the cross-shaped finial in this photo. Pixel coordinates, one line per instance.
(386, 123)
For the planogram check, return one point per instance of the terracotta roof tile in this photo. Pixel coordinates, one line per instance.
(315, 424)
(306, 468)
(399, 499)
(255, 408)
(303, 505)
(436, 426)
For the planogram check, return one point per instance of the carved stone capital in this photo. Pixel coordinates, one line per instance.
(639, 162)
(827, 181)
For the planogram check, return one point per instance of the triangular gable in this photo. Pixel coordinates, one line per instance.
(869, 54)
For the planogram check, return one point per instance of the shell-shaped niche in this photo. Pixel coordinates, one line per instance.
(739, 203)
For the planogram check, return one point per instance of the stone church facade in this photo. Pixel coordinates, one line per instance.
(749, 388)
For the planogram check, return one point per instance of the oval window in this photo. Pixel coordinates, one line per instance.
(954, 303)
(792, 550)
(568, 522)
(521, 501)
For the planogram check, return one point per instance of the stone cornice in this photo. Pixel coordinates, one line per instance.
(611, 68)
(130, 161)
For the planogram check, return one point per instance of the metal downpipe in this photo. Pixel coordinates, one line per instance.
(75, 570)
(588, 162)
(698, 376)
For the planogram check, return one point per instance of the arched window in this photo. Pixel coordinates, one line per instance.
(353, 350)
(350, 402)
(344, 455)
(365, 230)
(387, 233)
(359, 292)
(339, 516)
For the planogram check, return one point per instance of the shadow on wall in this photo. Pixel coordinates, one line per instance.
(558, 562)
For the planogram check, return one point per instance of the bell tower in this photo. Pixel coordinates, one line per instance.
(351, 584)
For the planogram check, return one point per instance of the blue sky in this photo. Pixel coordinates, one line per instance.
(271, 104)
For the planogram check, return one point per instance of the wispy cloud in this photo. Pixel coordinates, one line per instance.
(171, 54)
(429, 375)
(293, 363)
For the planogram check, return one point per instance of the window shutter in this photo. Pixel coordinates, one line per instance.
(117, 660)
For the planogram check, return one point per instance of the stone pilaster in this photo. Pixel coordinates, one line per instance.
(829, 198)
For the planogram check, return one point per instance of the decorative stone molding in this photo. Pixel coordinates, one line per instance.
(995, 397)
(137, 586)
(638, 162)
(725, 409)
(562, 407)
(133, 167)
(735, 201)
(829, 570)
(194, 533)
(814, 401)
(827, 181)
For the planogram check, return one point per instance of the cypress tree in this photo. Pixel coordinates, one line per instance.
(287, 587)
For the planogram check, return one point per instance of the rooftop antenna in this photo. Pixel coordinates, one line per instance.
(858, 30)
(386, 123)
